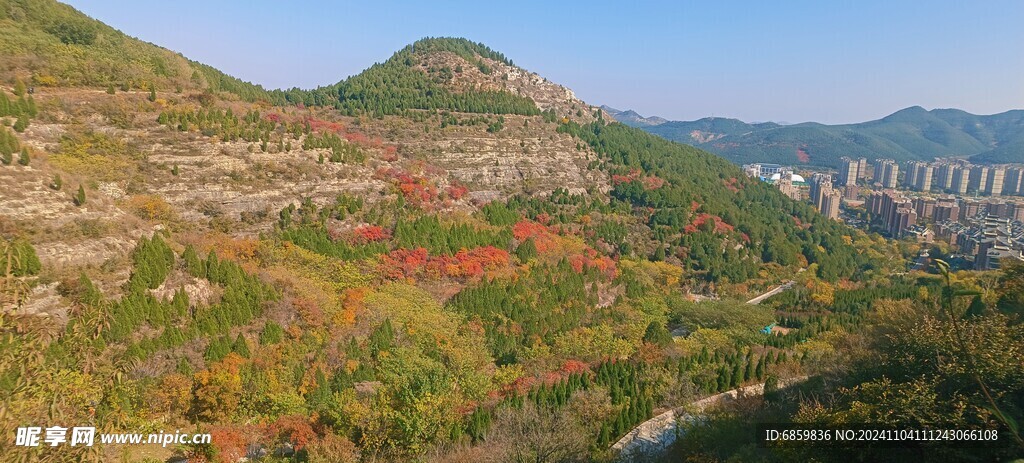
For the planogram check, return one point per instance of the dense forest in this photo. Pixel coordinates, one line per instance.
(934, 352)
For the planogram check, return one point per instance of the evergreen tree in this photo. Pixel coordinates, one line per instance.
(527, 250)
(110, 89)
(152, 92)
(657, 334)
(57, 182)
(241, 346)
(80, 196)
(24, 159)
(273, 333)
(21, 124)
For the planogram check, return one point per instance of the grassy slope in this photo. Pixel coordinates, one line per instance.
(47, 43)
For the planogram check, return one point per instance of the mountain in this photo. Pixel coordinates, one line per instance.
(427, 258)
(909, 134)
(631, 118)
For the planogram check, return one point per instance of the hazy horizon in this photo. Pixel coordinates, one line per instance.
(805, 62)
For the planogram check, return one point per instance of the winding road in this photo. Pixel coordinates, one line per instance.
(657, 434)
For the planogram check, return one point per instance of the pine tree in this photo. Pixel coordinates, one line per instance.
(527, 250)
(6, 158)
(19, 87)
(152, 92)
(110, 89)
(80, 196)
(657, 334)
(174, 170)
(57, 182)
(241, 347)
(21, 124)
(24, 159)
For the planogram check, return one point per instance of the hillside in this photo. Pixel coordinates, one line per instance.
(909, 134)
(425, 261)
(632, 118)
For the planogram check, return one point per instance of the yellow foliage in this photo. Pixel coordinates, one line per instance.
(151, 207)
(46, 81)
(96, 155)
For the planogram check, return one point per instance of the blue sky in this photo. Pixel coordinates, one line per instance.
(792, 61)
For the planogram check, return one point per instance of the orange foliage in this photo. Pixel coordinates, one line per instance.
(309, 311)
(590, 259)
(352, 304)
(542, 236)
(229, 442)
(218, 389)
(294, 429)
(415, 189)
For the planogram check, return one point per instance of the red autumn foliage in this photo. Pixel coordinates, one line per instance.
(357, 138)
(370, 234)
(320, 125)
(542, 236)
(591, 260)
(653, 183)
(457, 191)
(802, 155)
(415, 189)
(574, 366)
(694, 205)
(390, 153)
(702, 218)
(731, 184)
(411, 263)
(293, 429)
(273, 117)
(632, 175)
(229, 442)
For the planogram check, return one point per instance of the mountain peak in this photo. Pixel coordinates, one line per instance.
(632, 118)
(464, 48)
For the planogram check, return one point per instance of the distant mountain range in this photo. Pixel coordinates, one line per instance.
(632, 119)
(910, 134)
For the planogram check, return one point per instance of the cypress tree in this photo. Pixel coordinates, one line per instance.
(152, 92)
(241, 347)
(657, 334)
(57, 182)
(527, 250)
(24, 159)
(110, 89)
(21, 124)
(80, 196)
